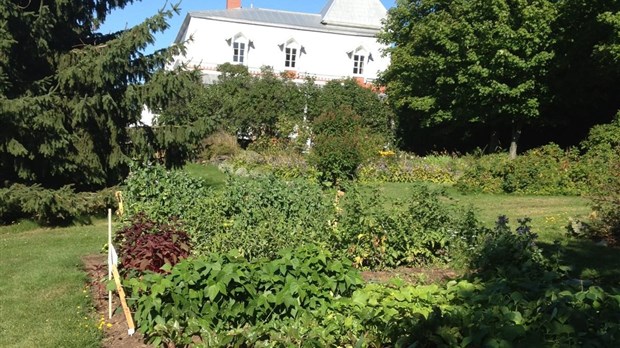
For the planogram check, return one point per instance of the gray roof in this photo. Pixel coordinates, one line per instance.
(275, 18)
(366, 13)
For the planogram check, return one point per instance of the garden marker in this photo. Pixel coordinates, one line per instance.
(110, 261)
(121, 295)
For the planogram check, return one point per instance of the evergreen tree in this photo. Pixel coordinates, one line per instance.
(69, 93)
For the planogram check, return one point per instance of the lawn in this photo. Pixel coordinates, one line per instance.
(43, 300)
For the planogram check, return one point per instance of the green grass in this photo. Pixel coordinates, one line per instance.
(43, 302)
(208, 172)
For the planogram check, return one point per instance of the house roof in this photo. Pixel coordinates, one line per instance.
(359, 13)
(351, 17)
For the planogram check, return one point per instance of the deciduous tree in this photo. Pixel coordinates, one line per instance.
(469, 62)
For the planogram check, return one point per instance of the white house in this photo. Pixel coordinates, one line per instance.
(336, 43)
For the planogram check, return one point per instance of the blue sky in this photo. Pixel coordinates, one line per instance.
(136, 13)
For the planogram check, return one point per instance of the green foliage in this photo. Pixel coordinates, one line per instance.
(374, 113)
(341, 144)
(307, 298)
(258, 217)
(214, 295)
(403, 167)
(282, 164)
(163, 195)
(606, 201)
(469, 62)
(547, 170)
(69, 93)
(148, 246)
(52, 207)
(425, 231)
(506, 254)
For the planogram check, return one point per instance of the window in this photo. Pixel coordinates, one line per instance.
(238, 52)
(291, 57)
(358, 64)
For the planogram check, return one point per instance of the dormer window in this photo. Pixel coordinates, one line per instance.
(359, 60)
(292, 50)
(291, 57)
(238, 52)
(240, 47)
(358, 64)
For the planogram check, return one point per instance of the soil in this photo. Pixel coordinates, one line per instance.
(411, 275)
(116, 336)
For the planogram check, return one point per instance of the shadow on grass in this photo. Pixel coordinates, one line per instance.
(590, 261)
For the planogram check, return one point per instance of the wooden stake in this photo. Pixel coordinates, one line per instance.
(109, 261)
(121, 294)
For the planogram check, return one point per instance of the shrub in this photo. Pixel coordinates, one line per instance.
(484, 174)
(219, 145)
(341, 144)
(147, 246)
(505, 254)
(402, 167)
(163, 195)
(260, 216)
(52, 207)
(547, 170)
(606, 224)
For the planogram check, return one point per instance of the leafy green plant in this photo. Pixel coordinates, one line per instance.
(212, 295)
(403, 167)
(504, 253)
(425, 231)
(341, 144)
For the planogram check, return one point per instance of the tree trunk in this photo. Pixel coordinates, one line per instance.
(493, 142)
(514, 140)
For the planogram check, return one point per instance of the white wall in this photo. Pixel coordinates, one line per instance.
(326, 53)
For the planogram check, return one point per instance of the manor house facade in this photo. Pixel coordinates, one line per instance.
(337, 43)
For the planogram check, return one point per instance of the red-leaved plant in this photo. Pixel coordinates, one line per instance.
(145, 245)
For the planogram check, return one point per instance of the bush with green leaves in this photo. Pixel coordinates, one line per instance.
(606, 199)
(341, 144)
(547, 170)
(52, 207)
(163, 194)
(260, 216)
(257, 217)
(403, 167)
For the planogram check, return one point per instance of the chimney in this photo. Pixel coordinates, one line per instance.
(230, 4)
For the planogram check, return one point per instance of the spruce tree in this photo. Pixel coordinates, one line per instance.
(68, 93)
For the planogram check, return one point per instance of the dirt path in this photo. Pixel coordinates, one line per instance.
(115, 329)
